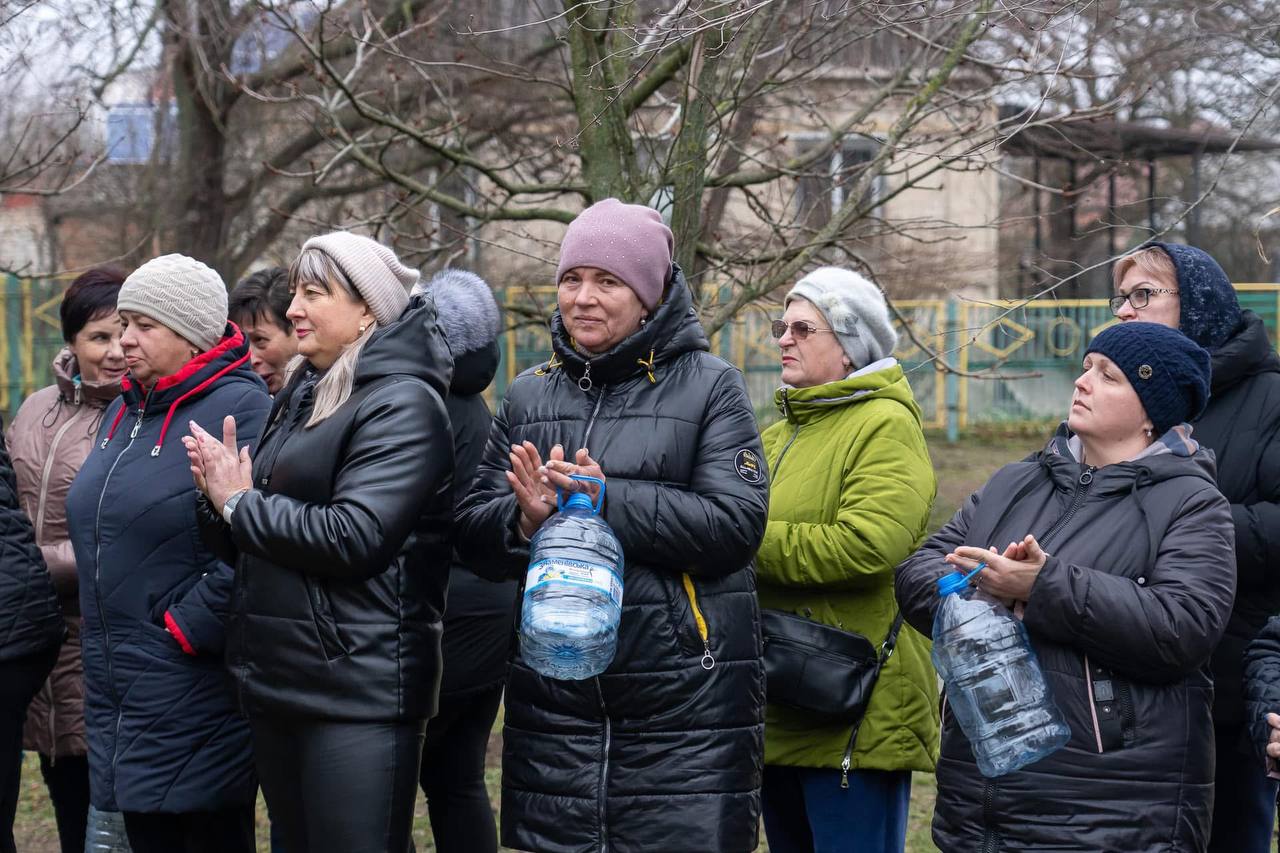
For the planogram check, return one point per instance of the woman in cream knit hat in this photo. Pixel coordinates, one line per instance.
(339, 529)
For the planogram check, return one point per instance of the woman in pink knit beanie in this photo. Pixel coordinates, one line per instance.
(664, 750)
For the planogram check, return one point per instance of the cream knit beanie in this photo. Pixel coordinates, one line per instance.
(180, 293)
(855, 309)
(379, 277)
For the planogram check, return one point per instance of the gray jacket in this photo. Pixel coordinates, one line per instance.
(1123, 618)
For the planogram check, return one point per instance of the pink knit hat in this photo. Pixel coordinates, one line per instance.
(628, 240)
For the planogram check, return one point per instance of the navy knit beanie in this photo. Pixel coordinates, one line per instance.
(1169, 371)
(1210, 310)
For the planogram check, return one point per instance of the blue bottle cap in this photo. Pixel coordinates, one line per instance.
(579, 500)
(952, 583)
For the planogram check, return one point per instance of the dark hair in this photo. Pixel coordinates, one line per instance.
(92, 295)
(262, 294)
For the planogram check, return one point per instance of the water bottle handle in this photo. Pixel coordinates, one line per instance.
(596, 506)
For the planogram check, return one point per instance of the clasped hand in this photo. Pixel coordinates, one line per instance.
(1008, 576)
(218, 468)
(535, 482)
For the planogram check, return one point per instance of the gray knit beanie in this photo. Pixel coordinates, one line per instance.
(180, 293)
(379, 277)
(854, 308)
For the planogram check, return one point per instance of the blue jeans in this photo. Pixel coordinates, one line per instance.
(806, 810)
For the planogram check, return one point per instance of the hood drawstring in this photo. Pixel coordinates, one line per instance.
(173, 407)
(648, 367)
(1143, 478)
(551, 365)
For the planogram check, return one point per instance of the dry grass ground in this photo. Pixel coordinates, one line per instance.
(960, 467)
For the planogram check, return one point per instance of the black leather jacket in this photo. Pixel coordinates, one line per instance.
(343, 543)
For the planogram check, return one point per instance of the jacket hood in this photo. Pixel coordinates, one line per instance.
(466, 309)
(1246, 353)
(474, 370)
(801, 405)
(74, 390)
(672, 330)
(1174, 454)
(411, 346)
(225, 363)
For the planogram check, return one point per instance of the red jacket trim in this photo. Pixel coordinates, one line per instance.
(171, 625)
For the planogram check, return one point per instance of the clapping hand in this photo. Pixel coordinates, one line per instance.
(218, 468)
(1008, 576)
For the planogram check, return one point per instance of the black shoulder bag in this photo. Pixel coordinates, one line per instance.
(823, 670)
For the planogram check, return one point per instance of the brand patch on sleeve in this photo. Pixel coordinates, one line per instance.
(748, 466)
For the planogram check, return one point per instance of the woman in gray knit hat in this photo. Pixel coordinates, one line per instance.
(339, 529)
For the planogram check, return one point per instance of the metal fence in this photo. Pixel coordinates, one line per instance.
(1009, 360)
(1024, 354)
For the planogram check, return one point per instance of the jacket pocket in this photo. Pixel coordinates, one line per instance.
(326, 625)
(1110, 706)
(699, 621)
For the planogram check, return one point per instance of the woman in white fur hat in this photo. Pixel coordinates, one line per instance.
(339, 528)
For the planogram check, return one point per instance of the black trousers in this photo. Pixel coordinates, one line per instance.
(67, 778)
(453, 773)
(19, 680)
(224, 831)
(335, 787)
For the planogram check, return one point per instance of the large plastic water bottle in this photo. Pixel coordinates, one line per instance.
(573, 592)
(105, 833)
(994, 684)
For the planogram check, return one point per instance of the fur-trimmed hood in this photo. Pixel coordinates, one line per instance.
(470, 319)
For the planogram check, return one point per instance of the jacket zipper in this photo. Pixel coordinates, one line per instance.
(45, 476)
(1093, 708)
(708, 661)
(97, 587)
(1077, 500)
(594, 412)
(603, 784)
(989, 835)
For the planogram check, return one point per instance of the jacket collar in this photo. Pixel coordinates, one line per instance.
(1174, 454)
(1247, 352)
(192, 381)
(802, 405)
(73, 389)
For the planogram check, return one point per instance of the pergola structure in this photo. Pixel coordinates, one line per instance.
(1109, 144)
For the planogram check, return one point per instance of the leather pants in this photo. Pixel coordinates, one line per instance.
(338, 787)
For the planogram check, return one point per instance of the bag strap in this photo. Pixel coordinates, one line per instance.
(886, 652)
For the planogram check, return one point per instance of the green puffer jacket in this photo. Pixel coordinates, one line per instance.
(852, 485)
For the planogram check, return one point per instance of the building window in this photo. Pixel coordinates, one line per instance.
(132, 132)
(824, 188)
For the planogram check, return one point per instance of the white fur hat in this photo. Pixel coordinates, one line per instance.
(854, 308)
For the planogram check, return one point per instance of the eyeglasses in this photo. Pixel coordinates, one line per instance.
(799, 329)
(1139, 298)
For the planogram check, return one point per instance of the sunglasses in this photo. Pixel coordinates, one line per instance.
(800, 330)
(1139, 298)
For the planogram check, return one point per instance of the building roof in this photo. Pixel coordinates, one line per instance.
(1093, 138)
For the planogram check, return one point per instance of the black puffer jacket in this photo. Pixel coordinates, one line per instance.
(343, 544)
(659, 753)
(1262, 684)
(480, 613)
(1123, 618)
(1242, 427)
(30, 618)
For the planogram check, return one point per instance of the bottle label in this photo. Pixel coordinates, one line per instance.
(557, 570)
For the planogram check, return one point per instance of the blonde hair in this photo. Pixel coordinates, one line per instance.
(334, 388)
(1152, 260)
